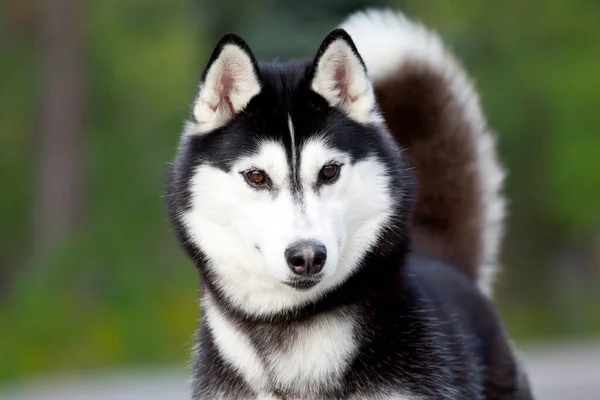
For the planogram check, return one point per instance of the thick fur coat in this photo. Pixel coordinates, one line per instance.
(344, 213)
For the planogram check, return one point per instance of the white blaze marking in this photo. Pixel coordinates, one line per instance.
(291, 128)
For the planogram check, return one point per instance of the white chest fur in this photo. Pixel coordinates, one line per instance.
(315, 355)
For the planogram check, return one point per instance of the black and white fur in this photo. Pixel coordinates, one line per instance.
(411, 223)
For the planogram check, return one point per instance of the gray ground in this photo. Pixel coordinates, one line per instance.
(557, 372)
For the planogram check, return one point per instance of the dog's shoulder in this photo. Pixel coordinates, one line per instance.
(463, 316)
(450, 294)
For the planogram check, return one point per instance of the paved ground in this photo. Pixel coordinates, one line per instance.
(565, 372)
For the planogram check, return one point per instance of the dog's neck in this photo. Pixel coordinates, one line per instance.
(306, 351)
(306, 358)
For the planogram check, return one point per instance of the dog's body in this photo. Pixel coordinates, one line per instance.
(334, 264)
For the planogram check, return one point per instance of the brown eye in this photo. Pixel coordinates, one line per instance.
(256, 177)
(329, 172)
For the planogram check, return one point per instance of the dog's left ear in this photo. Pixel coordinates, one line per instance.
(229, 82)
(339, 75)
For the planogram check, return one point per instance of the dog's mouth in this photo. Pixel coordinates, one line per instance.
(304, 283)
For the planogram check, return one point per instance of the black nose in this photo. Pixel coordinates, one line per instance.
(306, 257)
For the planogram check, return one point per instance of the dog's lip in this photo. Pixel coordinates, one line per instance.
(304, 283)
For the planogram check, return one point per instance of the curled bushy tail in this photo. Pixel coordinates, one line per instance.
(433, 111)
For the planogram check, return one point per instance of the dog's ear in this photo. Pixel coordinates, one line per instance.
(229, 81)
(339, 75)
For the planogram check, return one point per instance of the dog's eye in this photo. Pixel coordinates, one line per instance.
(256, 177)
(329, 172)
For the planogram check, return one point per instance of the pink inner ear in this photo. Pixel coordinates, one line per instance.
(342, 83)
(226, 85)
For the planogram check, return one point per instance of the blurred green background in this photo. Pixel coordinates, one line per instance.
(92, 100)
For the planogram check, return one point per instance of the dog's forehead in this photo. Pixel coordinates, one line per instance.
(285, 108)
(295, 115)
(288, 111)
(284, 113)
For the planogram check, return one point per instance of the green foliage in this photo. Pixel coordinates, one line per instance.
(121, 290)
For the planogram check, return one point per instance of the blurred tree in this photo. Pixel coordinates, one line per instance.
(59, 159)
(17, 32)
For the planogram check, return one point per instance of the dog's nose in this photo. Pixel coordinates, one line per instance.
(306, 257)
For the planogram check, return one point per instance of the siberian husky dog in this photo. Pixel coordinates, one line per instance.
(344, 213)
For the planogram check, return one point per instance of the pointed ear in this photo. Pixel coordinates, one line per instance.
(340, 76)
(229, 81)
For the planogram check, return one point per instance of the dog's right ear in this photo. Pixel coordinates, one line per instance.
(229, 81)
(340, 76)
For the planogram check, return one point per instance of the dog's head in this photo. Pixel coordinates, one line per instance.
(285, 177)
